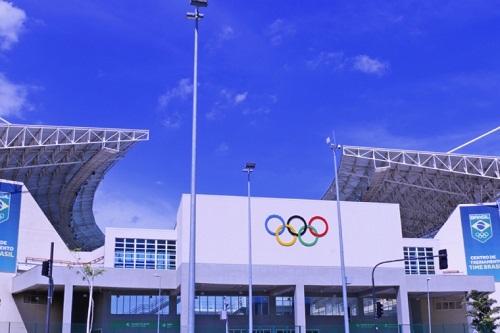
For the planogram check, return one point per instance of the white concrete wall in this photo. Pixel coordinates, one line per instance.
(451, 238)
(35, 235)
(372, 232)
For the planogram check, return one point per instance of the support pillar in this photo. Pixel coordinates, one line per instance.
(67, 308)
(403, 310)
(184, 300)
(299, 308)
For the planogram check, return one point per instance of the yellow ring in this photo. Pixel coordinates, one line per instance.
(277, 235)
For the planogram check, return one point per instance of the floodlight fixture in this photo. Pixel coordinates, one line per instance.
(249, 167)
(199, 3)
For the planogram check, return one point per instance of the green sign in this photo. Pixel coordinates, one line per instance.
(116, 324)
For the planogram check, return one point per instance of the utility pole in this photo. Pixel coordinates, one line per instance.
(47, 267)
(334, 147)
(196, 16)
(249, 168)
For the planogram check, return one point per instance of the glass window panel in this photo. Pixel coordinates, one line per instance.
(119, 307)
(114, 304)
(284, 305)
(219, 303)
(211, 304)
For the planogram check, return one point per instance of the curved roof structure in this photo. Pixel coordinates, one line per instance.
(427, 185)
(62, 167)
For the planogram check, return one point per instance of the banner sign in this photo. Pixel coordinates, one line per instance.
(10, 205)
(481, 232)
(134, 325)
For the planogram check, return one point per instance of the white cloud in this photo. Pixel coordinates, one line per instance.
(13, 98)
(227, 100)
(222, 149)
(179, 93)
(279, 30)
(239, 98)
(183, 89)
(11, 23)
(226, 33)
(172, 120)
(367, 65)
(328, 59)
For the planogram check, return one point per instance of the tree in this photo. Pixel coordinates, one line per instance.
(483, 312)
(88, 273)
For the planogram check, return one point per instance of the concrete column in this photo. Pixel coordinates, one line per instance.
(184, 300)
(403, 310)
(67, 308)
(299, 307)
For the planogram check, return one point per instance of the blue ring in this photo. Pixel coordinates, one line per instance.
(275, 216)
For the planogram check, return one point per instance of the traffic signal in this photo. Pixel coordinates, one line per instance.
(443, 259)
(46, 268)
(380, 309)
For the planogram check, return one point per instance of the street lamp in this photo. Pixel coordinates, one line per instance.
(249, 168)
(429, 305)
(192, 223)
(159, 303)
(334, 147)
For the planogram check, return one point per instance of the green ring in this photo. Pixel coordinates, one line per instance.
(304, 242)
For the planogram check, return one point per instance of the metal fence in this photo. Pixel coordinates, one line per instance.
(173, 327)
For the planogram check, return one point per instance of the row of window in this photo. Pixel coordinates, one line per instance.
(333, 306)
(139, 304)
(423, 265)
(35, 299)
(141, 253)
(449, 305)
(237, 305)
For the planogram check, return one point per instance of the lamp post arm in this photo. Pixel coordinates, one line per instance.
(391, 261)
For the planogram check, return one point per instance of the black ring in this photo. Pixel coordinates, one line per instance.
(303, 222)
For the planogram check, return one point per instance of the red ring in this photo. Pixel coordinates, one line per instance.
(314, 233)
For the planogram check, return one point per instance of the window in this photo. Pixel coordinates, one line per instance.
(210, 304)
(145, 253)
(260, 305)
(139, 304)
(284, 305)
(388, 304)
(331, 306)
(449, 305)
(35, 299)
(418, 266)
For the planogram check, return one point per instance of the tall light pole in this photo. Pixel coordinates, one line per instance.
(159, 303)
(334, 147)
(249, 168)
(192, 223)
(429, 306)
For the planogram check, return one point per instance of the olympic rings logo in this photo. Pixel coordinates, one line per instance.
(296, 235)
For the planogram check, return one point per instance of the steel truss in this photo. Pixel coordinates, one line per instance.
(427, 185)
(62, 167)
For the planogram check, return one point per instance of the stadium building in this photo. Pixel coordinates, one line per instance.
(394, 204)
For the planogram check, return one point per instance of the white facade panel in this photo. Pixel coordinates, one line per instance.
(372, 232)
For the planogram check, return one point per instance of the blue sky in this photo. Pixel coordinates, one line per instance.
(275, 80)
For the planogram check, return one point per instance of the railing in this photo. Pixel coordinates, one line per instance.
(137, 326)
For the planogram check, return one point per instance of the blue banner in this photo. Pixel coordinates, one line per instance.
(481, 231)
(10, 205)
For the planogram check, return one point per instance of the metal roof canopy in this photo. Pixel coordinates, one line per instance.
(427, 185)
(62, 167)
